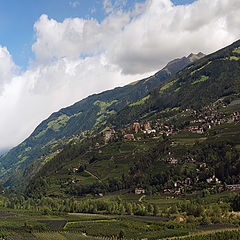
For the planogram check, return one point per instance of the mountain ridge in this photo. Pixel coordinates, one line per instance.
(89, 114)
(204, 81)
(182, 62)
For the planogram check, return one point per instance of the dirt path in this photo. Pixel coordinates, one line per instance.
(93, 175)
(141, 198)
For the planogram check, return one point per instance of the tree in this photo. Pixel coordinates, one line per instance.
(235, 203)
(156, 210)
(121, 234)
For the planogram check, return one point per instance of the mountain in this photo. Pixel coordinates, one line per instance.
(185, 132)
(180, 63)
(213, 77)
(83, 118)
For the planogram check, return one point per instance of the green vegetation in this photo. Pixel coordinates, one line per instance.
(193, 72)
(181, 216)
(202, 79)
(126, 164)
(84, 117)
(233, 235)
(139, 102)
(103, 106)
(168, 85)
(155, 159)
(236, 50)
(234, 58)
(176, 90)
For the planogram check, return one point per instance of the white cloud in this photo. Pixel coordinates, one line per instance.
(7, 68)
(35, 94)
(142, 40)
(163, 31)
(74, 37)
(78, 57)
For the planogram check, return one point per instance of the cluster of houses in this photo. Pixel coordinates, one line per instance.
(126, 132)
(136, 128)
(202, 121)
(172, 160)
(180, 187)
(207, 121)
(145, 128)
(109, 133)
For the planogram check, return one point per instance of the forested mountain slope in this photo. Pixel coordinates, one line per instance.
(184, 134)
(213, 77)
(88, 114)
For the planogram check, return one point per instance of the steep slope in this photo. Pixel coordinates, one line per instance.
(214, 77)
(187, 136)
(180, 63)
(149, 161)
(2, 152)
(88, 114)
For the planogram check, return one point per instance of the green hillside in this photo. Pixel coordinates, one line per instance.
(167, 165)
(153, 161)
(188, 121)
(83, 118)
(214, 77)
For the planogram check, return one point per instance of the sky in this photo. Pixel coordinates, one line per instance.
(56, 52)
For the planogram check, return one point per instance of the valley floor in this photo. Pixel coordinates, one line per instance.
(20, 224)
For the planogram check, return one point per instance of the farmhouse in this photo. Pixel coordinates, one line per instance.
(139, 190)
(136, 127)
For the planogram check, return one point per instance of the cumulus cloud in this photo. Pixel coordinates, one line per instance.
(78, 57)
(164, 31)
(76, 37)
(7, 68)
(32, 96)
(142, 40)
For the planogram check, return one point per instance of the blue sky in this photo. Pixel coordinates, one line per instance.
(182, 2)
(17, 18)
